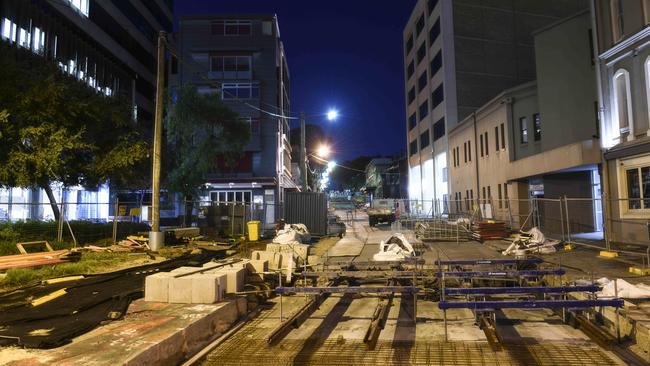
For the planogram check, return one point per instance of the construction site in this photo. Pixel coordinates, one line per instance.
(415, 291)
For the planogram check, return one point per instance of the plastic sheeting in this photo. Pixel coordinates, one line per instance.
(293, 234)
(625, 289)
(396, 248)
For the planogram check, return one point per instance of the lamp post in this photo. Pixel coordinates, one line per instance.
(331, 115)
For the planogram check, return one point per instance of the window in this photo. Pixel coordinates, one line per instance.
(537, 122)
(409, 43)
(230, 196)
(411, 96)
(489, 196)
(424, 139)
(437, 96)
(458, 154)
(500, 196)
(254, 124)
(231, 28)
(230, 67)
(638, 188)
(465, 152)
(434, 32)
(646, 11)
(422, 81)
(496, 138)
(422, 52)
(439, 129)
(424, 109)
(412, 121)
(647, 82)
(80, 5)
(505, 194)
(436, 63)
(410, 70)
(431, 4)
(523, 130)
(413, 149)
(240, 91)
(618, 26)
(503, 137)
(481, 145)
(486, 145)
(469, 150)
(453, 151)
(622, 103)
(419, 26)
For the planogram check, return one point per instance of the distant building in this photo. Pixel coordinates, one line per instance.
(241, 58)
(624, 88)
(382, 178)
(458, 55)
(109, 45)
(539, 139)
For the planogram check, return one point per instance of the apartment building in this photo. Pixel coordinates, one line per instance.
(538, 139)
(111, 46)
(623, 76)
(458, 55)
(241, 58)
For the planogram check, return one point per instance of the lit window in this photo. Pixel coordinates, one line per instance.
(523, 130)
(623, 105)
(537, 120)
(8, 30)
(82, 6)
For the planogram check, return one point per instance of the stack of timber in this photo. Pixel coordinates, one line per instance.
(489, 230)
(37, 259)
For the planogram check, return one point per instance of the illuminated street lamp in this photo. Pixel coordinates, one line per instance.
(323, 151)
(332, 115)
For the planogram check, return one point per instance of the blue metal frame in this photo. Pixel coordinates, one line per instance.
(519, 290)
(490, 261)
(513, 273)
(529, 304)
(384, 289)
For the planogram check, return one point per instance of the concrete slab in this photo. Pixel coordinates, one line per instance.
(236, 278)
(149, 334)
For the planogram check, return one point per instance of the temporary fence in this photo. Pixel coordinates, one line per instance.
(221, 218)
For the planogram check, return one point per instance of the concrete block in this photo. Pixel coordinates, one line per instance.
(235, 278)
(156, 287)
(273, 258)
(257, 266)
(206, 288)
(299, 251)
(314, 259)
(180, 290)
(180, 270)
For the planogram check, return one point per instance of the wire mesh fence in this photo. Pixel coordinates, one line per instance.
(229, 219)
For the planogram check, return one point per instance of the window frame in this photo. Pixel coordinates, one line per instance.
(226, 23)
(523, 130)
(537, 127)
(617, 115)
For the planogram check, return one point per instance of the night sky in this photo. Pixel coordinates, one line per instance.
(345, 54)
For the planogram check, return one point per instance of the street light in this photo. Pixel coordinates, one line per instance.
(332, 114)
(323, 151)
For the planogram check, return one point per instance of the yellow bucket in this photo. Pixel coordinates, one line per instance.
(253, 230)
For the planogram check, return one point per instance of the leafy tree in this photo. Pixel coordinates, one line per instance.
(353, 180)
(55, 128)
(199, 128)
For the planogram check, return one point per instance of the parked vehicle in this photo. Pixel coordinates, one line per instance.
(381, 211)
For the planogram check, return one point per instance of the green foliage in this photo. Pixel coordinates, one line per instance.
(55, 127)
(199, 128)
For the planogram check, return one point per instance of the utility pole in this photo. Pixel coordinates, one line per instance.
(303, 152)
(157, 238)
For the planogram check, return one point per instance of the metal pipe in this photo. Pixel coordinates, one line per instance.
(524, 273)
(520, 290)
(529, 304)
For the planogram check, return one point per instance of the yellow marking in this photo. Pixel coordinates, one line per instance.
(608, 254)
(49, 297)
(62, 279)
(640, 271)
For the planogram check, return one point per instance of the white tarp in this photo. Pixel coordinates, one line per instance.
(293, 234)
(625, 289)
(396, 248)
(532, 242)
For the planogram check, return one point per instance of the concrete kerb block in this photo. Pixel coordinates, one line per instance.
(156, 287)
(181, 270)
(257, 265)
(235, 278)
(180, 290)
(206, 288)
(274, 259)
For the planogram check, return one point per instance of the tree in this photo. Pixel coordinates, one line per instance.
(353, 180)
(199, 128)
(56, 128)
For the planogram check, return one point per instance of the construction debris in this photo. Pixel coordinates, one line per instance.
(489, 230)
(533, 241)
(443, 230)
(396, 248)
(38, 259)
(292, 234)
